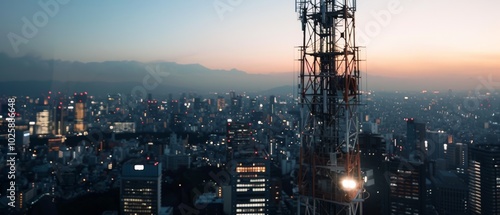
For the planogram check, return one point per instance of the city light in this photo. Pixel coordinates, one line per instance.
(348, 184)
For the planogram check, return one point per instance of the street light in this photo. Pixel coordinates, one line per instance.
(348, 184)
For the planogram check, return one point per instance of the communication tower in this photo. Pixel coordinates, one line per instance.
(330, 179)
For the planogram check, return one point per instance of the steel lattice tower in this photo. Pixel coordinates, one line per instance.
(330, 180)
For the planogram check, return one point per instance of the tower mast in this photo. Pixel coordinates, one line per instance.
(330, 180)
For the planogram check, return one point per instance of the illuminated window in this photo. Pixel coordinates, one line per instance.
(251, 169)
(250, 205)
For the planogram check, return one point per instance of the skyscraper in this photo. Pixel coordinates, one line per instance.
(450, 193)
(221, 103)
(407, 187)
(457, 157)
(484, 179)
(415, 140)
(236, 104)
(436, 144)
(272, 104)
(373, 150)
(251, 174)
(80, 100)
(140, 190)
(239, 135)
(43, 122)
(59, 117)
(251, 191)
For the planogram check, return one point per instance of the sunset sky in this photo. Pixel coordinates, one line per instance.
(414, 38)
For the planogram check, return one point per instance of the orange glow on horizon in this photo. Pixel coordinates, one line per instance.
(470, 66)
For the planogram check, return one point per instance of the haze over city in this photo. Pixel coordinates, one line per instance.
(249, 107)
(410, 45)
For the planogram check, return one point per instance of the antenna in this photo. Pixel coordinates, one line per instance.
(330, 178)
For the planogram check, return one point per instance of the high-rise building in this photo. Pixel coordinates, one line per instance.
(221, 103)
(407, 187)
(436, 144)
(43, 122)
(174, 162)
(373, 151)
(415, 140)
(174, 106)
(238, 135)
(197, 104)
(251, 191)
(272, 104)
(484, 179)
(275, 192)
(140, 190)
(114, 102)
(457, 157)
(236, 104)
(175, 123)
(251, 174)
(80, 100)
(59, 118)
(153, 109)
(253, 105)
(450, 193)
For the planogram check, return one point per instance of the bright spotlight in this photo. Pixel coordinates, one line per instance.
(348, 184)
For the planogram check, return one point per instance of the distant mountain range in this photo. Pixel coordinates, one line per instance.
(30, 75)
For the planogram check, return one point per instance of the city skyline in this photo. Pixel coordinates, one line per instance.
(249, 107)
(188, 134)
(403, 38)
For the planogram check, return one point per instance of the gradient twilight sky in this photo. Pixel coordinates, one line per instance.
(452, 37)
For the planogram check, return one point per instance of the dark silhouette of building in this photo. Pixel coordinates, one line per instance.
(239, 136)
(236, 104)
(458, 157)
(484, 179)
(415, 140)
(373, 151)
(435, 144)
(407, 192)
(59, 120)
(251, 172)
(140, 191)
(450, 193)
(175, 123)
